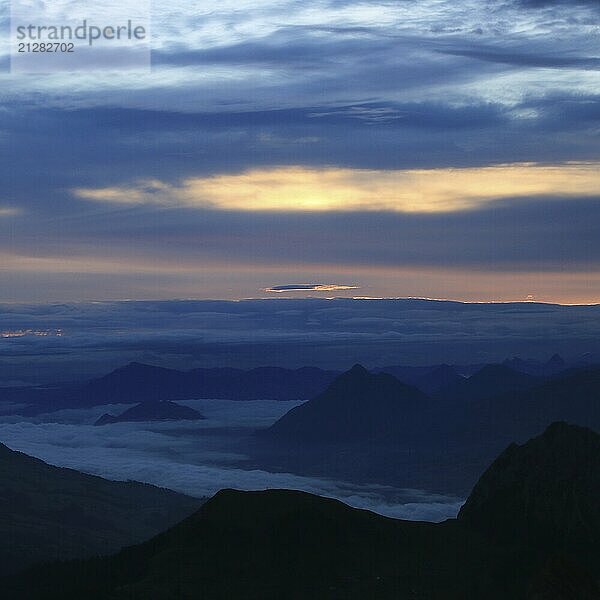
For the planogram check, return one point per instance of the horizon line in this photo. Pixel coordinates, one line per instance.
(280, 298)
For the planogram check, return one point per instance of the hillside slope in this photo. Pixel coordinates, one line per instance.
(49, 513)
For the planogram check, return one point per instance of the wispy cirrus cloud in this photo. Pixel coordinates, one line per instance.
(528, 59)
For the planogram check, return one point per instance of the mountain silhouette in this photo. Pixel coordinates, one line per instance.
(135, 383)
(358, 406)
(491, 380)
(442, 377)
(407, 374)
(546, 491)
(136, 380)
(49, 513)
(267, 383)
(153, 411)
(554, 365)
(285, 544)
(517, 415)
(366, 429)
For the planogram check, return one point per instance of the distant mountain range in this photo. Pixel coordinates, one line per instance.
(439, 378)
(152, 411)
(50, 513)
(365, 426)
(430, 379)
(529, 531)
(490, 381)
(137, 383)
(554, 365)
(372, 427)
(539, 368)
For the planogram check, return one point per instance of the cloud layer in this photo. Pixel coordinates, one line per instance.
(98, 337)
(255, 117)
(197, 459)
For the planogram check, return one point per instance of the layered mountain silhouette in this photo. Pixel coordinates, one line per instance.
(152, 411)
(554, 365)
(285, 544)
(571, 396)
(491, 380)
(49, 513)
(137, 382)
(440, 378)
(415, 375)
(372, 428)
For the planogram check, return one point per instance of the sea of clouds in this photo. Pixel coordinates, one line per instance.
(98, 337)
(196, 457)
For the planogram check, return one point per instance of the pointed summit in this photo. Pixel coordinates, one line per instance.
(358, 406)
(555, 364)
(136, 369)
(134, 382)
(357, 374)
(556, 359)
(358, 370)
(134, 366)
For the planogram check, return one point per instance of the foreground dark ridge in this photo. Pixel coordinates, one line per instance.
(282, 544)
(49, 513)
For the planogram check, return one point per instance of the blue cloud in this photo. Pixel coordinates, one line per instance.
(98, 337)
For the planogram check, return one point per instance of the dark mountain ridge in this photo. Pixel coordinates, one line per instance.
(285, 544)
(49, 513)
(546, 491)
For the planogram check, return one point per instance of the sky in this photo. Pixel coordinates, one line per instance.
(426, 148)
